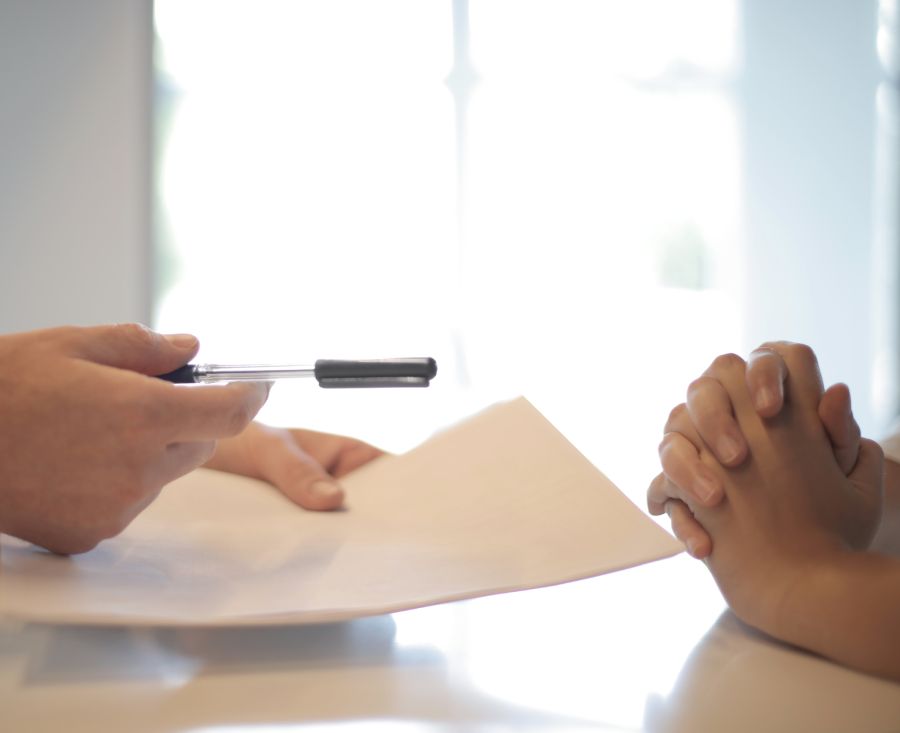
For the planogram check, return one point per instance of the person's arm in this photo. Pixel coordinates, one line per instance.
(846, 607)
(88, 437)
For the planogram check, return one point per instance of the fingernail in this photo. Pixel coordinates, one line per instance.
(182, 340)
(691, 546)
(765, 398)
(728, 448)
(325, 489)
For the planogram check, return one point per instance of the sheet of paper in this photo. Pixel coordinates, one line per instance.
(500, 502)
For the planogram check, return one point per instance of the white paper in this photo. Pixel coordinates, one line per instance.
(500, 502)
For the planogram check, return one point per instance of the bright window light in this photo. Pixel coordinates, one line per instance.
(538, 194)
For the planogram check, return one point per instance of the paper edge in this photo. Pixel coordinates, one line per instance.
(311, 618)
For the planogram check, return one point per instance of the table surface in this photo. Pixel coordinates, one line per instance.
(647, 649)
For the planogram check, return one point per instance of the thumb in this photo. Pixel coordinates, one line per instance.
(839, 423)
(296, 474)
(868, 474)
(135, 347)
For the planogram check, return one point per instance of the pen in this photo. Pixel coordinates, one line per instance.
(330, 373)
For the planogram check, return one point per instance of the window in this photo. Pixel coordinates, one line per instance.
(547, 197)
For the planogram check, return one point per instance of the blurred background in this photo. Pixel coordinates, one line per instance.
(581, 201)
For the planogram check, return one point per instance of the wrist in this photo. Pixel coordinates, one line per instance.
(801, 616)
(780, 593)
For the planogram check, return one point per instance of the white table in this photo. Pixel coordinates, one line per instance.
(650, 648)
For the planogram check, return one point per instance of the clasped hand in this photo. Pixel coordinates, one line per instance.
(763, 471)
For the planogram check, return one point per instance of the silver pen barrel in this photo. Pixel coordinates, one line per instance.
(207, 373)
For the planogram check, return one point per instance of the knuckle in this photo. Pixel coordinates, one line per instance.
(802, 353)
(699, 386)
(653, 490)
(765, 349)
(779, 345)
(665, 445)
(676, 468)
(708, 404)
(774, 346)
(676, 415)
(873, 446)
(138, 334)
(763, 361)
(727, 362)
(661, 490)
(843, 392)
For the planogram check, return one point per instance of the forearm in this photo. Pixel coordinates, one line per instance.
(848, 610)
(887, 538)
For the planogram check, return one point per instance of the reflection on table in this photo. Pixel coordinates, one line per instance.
(650, 649)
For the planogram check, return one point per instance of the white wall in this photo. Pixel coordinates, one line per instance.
(75, 121)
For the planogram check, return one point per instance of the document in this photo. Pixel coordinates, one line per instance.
(500, 502)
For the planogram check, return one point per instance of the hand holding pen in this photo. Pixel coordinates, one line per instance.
(87, 441)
